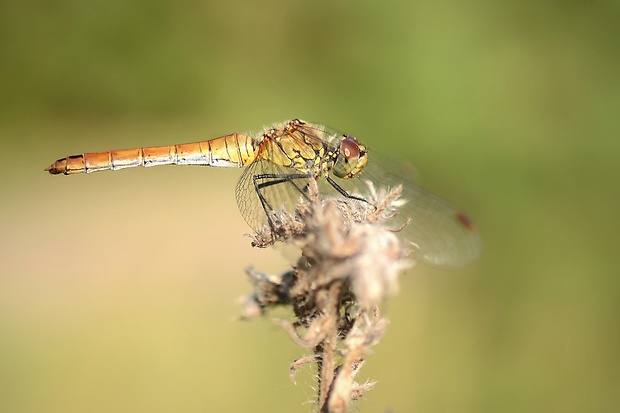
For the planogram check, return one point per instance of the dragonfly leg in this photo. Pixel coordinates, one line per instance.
(275, 179)
(345, 193)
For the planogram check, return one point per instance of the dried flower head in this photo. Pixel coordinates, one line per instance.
(350, 261)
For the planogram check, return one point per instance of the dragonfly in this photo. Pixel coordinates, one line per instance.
(279, 162)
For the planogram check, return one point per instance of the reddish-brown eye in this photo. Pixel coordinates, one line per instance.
(350, 148)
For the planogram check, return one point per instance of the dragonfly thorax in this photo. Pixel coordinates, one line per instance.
(351, 158)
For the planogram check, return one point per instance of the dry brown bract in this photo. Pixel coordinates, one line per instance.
(350, 262)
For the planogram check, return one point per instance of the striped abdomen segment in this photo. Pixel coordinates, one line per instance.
(233, 150)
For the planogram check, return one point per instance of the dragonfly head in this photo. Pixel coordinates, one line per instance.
(351, 159)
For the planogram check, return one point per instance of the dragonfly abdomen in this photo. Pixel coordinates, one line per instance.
(233, 150)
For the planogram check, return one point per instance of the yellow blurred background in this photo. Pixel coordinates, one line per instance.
(118, 291)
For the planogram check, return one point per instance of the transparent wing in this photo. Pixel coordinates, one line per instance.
(440, 232)
(280, 195)
(295, 144)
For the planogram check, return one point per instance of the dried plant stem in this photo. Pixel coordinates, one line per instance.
(325, 351)
(349, 264)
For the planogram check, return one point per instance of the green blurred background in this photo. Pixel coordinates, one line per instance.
(118, 290)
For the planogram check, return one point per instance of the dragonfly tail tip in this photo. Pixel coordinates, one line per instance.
(53, 169)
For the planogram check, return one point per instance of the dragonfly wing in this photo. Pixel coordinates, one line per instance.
(440, 233)
(281, 194)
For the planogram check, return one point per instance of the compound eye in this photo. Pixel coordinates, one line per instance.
(350, 148)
